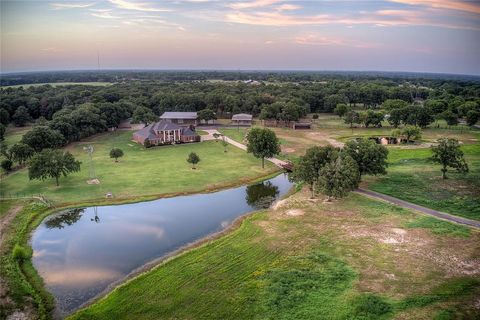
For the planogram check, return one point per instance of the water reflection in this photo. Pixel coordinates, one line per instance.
(66, 218)
(261, 195)
(78, 258)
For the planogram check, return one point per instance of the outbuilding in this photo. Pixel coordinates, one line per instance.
(242, 119)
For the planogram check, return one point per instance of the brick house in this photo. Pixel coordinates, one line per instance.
(165, 132)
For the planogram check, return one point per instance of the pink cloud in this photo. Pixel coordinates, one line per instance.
(468, 6)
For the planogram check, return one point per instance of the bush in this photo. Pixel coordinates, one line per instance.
(20, 253)
(6, 165)
(370, 306)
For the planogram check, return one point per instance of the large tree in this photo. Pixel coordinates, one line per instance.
(370, 156)
(206, 115)
(339, 176)
(21, 152)
(472, 117)
(43, 137)
(352, 117)
(391, 104)
(447, 153)
(51, 163)
(411, 133)
(263, 143)
(341, 109)
(308, 167)
(21, 116)
(395, 117)
(449, 117)
(2, 131)
(4, 116)
(143, 115)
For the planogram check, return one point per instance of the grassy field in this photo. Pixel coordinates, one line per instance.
(353, 259)
(235, 134)
(412, 177)
(141, 171)
(15, 134)
(5, 206)
(57, 84)
(349, 259)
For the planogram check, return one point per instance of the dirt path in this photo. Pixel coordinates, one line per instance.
(6, 220)
(409, 205)
(210, 136)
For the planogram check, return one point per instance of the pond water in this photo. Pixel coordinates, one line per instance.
(79, 252)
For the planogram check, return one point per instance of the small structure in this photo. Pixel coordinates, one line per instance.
(286, 124)
(181, 118)
(302, 125)
(165, 132)
(242, 119)
(252, 82)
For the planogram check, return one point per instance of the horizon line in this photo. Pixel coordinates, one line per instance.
(237, 70)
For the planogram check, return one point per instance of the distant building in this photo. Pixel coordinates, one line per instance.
(165, 132)
(242, 119)
(252, 82)
(181, 118)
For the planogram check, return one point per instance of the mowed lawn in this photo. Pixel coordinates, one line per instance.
(141, 171)
(352, 259)
(412, 177)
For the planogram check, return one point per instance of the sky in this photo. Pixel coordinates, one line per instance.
(391, 35)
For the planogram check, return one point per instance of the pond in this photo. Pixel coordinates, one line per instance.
(80, 252)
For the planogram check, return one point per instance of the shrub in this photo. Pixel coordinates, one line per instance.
(370, 306)
(6, 165)
(20, 253)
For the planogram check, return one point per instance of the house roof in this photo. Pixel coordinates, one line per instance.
(242, 116)
(163, 125)
(189, 132)
(179, 115)
(149, 131)
(146, 132)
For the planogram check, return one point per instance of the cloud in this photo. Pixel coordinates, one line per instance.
(100, 10)
(275, 19)
(319, 40)
(252, 4)
(59, 6)
(138, 6)
(288, 7)
(104, 15)
(152, 22)
(467, 6)
(378, 18)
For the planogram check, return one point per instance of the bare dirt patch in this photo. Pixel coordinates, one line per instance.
(93, 181)
(324, 137)
(295, 212)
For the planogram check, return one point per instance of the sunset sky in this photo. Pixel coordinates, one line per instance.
(392, 35)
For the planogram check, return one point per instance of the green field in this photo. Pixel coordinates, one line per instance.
(323, 264)
(5, 206)
(235, 134)
(153, 171)
(57, 84)
(15, 134)
(412, 177)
